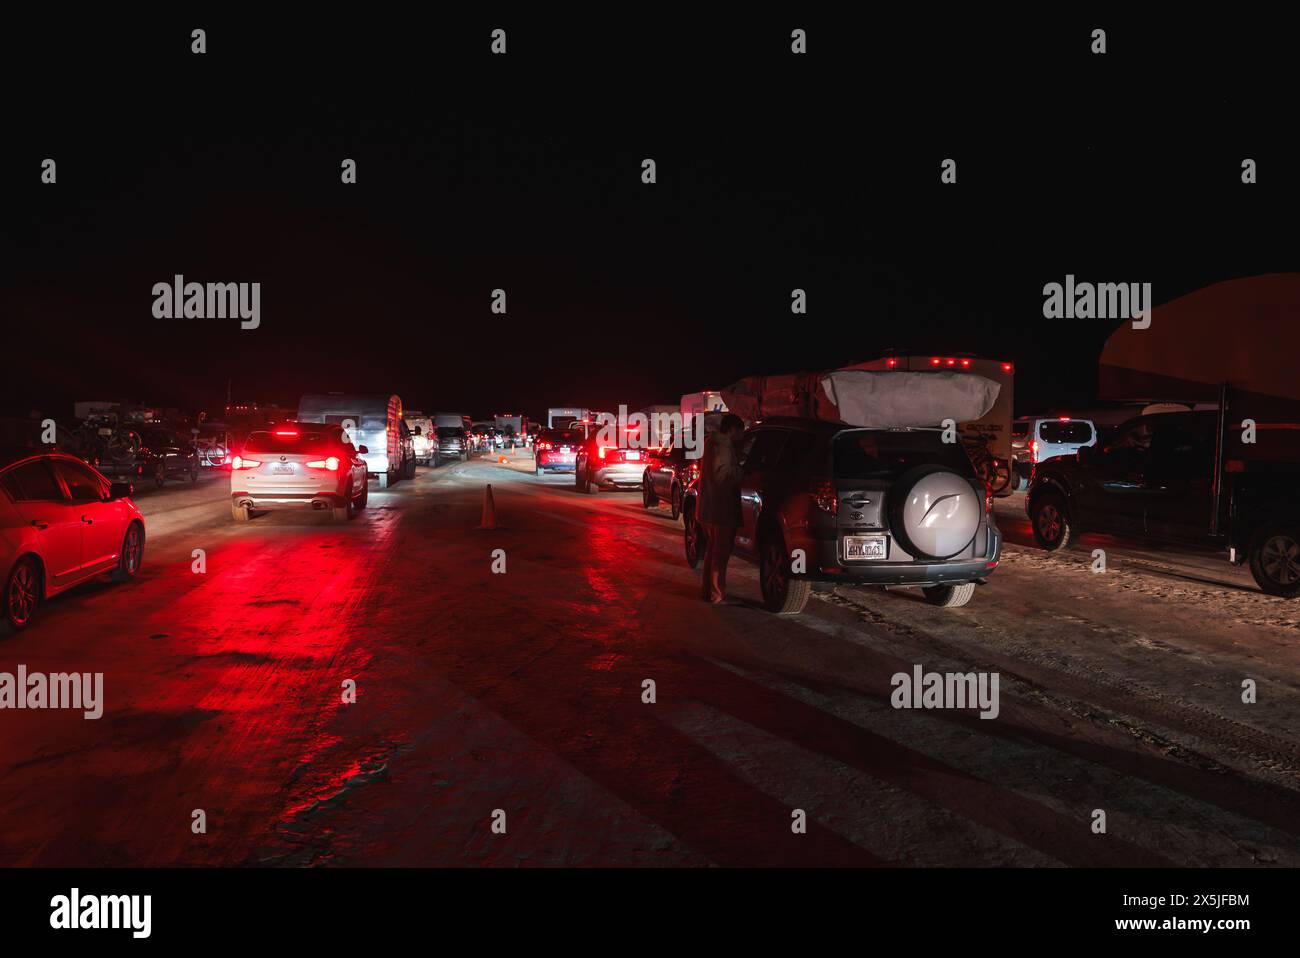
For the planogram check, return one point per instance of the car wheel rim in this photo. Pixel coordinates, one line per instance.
(132, 551)
(692, 538)
(1049, 523)
(22, 595)
(1281, 560)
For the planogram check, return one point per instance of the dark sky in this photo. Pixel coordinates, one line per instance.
(523, 172)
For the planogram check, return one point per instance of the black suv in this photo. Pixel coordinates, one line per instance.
(823, 502)
(452, 443)
(1178, 477)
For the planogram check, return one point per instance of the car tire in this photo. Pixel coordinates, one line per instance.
(22, 595)
(240, 513)
(1274, 554)
(364, 499)
(694, 540)
(194, 472)
(648, 498)
(677, 501)
(583, 481)
(128, 563)
(782, 593)
(1050, 522)
(949, 596)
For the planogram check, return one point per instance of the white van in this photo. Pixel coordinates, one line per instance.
(1049, 436)
(372, 421)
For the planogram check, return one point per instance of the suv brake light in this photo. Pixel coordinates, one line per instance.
(823, 492)
(1033, 450)
(332, 464)
(239, 462)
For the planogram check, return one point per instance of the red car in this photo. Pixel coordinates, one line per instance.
(556, 450)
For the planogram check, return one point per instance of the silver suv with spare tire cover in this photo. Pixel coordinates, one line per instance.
(822, 502)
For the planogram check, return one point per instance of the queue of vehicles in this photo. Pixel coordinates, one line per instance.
(850, 476)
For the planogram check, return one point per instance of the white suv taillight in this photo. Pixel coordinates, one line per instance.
(332, 464)
(239, 462)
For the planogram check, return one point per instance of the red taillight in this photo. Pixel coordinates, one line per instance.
(934, 360)
(891, 363)
(1033, 450)
(823, 493)
(965, 363)
(951, 362)
(332, 464)
(291, 433)
(605, 449)
(1006, 367)
(239, 462)
(543, 446)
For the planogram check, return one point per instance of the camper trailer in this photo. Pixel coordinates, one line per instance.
(372, 421)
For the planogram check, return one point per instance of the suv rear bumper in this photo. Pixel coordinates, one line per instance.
(830, 568)
(308, 500)
(620, 476)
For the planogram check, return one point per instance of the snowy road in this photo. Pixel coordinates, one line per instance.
(522, 692)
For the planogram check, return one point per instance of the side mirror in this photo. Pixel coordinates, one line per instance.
(120, 490)
(362, 450)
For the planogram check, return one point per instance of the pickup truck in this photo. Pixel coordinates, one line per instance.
(1184, 477)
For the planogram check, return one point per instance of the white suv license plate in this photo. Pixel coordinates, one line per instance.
(866, 547)
(282, 469)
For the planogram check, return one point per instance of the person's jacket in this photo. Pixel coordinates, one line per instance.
(719, 499)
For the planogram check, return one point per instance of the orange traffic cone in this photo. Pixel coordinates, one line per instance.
(489, 509)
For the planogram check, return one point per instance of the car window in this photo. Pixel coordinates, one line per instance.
(798, 451)
(83, 485)
(300, 443)
(1136, 437)
(32, 482)
(765, 451)
(1020, 429)
(1076, 431)
(1178, 448)
(887, 454)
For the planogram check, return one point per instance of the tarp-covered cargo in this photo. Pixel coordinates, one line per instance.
(859, 397)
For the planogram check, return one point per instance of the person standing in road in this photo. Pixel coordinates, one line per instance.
(719, 503)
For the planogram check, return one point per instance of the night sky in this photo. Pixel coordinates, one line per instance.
(522, 172)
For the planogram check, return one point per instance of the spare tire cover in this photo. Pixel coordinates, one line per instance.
(934, 512)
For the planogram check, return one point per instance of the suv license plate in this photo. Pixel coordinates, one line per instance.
(282, 469)
(632, 455)
(865, 547)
